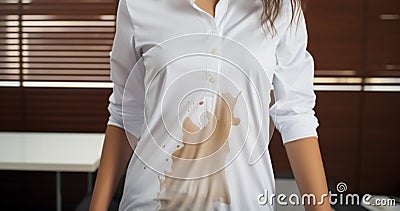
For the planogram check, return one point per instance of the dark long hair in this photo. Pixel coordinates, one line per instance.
(271, 11)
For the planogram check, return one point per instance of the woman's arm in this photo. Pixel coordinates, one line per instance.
(306, 163)
(114, 159)
(117, 150)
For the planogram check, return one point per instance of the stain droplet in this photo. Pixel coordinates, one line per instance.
(166, 159)
(163, 146)
(201, 102)
(144, 167)
(177, 146)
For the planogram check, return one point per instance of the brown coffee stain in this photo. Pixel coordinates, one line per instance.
(202, 150)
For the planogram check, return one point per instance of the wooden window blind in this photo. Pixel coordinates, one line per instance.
(64, 41)
(50, 53)
(9, 43)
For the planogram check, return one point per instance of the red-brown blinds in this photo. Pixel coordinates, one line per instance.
(62, 41)
(67, 40)
(9, 43)
(50, 51)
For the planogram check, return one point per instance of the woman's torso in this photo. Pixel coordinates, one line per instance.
(204, 144)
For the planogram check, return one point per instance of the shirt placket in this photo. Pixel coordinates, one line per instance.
(213, 26)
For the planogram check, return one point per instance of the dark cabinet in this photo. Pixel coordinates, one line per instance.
(64, 110)
(11, 109)
(335, 30)
(379, 159)
(383, 38)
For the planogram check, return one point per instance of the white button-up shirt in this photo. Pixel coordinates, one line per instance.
(196, 90)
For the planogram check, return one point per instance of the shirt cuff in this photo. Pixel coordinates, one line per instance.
(112, 122)
(298, 127)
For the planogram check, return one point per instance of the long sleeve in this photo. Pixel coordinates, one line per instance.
(293, 112)
(123, 58)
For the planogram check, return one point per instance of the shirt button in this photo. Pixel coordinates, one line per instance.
(214, 51)
(211, 79)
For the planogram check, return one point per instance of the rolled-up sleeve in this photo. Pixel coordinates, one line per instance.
(292, 111)
(123, 58)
